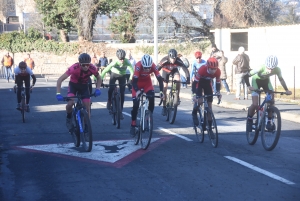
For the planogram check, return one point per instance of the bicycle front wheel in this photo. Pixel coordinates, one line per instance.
(199, 129)
(173, 107)
(86, 134)
(252, 134)
(118, 111)
(23, 106)
(270, 133)
(75, 132)
(146, 129)
(213, 131)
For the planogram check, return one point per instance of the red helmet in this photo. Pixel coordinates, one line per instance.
(198, 54)
(212, 63)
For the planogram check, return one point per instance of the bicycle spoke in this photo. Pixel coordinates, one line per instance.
(213, 131)
(86, 136)
(146, 129)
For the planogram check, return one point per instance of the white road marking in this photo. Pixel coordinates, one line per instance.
(172, 133)
(105, 151)
(257, 169)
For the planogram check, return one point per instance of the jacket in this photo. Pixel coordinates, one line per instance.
(241, 62)
(222, 66)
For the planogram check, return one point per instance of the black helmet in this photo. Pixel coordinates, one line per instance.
(172, 54)
(121, 54)
(84, 58)
(22, 65)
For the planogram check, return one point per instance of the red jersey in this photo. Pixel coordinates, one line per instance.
(202, 74)
(144, 76)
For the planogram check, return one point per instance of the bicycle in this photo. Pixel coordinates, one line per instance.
(203, 122)
(144, 126)
(81, 125)
(269, 137)
(23, 107)
(115, 108)
(172, 101)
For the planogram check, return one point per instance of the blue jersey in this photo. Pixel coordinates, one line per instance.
(196, 66)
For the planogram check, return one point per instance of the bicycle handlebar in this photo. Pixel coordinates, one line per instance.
(108, 85)
(271, 92)
(142, 93)
(78, 96)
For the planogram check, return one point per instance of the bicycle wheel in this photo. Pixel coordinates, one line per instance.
(86, 136)
(213, 132)
(253, 134)
(137, 130)
(113, 111)
(23, 106)
(199, 129)
(270, 136)
(146, 129)
(75, 132)
(173, 108)
(118, 111)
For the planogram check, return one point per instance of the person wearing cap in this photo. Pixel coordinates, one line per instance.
(23, 74)
(241, 63)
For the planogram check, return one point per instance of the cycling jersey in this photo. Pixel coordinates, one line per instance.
(203, 81)
(80, 76)
(196, 66)
(142, 79)
(168, 67)
(27, 72)
(118, 67)
(262, 73)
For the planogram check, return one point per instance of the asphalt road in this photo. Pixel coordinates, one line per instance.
(38, 161)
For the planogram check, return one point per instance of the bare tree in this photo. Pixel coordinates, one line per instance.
(245, 13)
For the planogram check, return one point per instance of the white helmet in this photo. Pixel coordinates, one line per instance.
(147, 61)
(271, 62)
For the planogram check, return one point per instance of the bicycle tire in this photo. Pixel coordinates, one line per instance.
(213, 133)
(137, 128)
(146, 130)
(173, 107)
(252, 135)
(199, 129)
(118, 111)
(86, 136)
(75, 132)
(269, 138)
(23, 106)
(113, 111)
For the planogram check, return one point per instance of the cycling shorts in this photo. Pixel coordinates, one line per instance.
(82, 89)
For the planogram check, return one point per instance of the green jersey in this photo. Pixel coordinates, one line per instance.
(118, 68)
(264, 74)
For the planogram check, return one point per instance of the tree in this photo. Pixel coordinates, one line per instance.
(289, 12)
(61, 14)
(245, 13)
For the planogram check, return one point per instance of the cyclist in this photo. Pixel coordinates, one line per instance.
(23, 73)
(142, 80)
(202, 81)
(169, 66)
(118, 72)
(261, 79)
(80, 73)
(197, 64)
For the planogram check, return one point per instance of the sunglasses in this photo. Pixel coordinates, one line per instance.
(84, 65)
(198, 58)
(122, 59)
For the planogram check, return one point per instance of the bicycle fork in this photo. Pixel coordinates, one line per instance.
(78, 118)
(144, 106)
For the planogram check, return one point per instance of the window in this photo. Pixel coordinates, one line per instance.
(238, 40)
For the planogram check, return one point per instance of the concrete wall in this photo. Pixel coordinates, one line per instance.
(283, 41)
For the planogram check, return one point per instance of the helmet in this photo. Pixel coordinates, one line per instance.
(84, 58)
(22, 65)
(198, 54)
(121, 54)
(212, 63)
(172, 54)
(271, 62)
(146, 61)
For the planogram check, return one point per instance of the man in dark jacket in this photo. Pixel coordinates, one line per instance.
(241, 64)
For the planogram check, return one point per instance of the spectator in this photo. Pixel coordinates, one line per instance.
(103, 62)
(214, 50)
(222, 65)
(95, 61)
(214, 53)
(241, 64)
(198, 62)
(8, 62)
(29, 61)
(133, 62)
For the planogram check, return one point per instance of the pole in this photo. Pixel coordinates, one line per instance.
(294, 83)
(155, 35)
